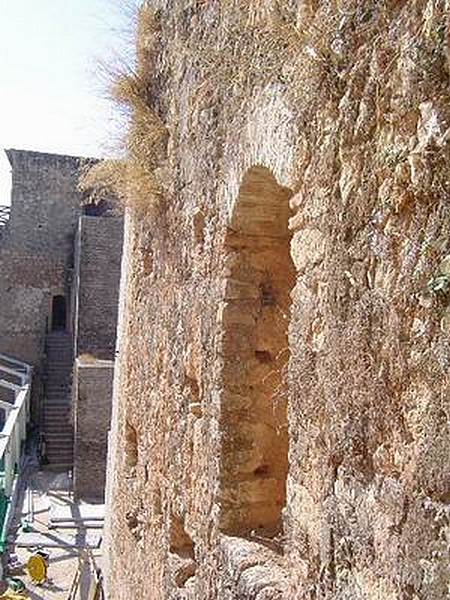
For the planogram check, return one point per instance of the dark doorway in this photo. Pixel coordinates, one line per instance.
(59, 313)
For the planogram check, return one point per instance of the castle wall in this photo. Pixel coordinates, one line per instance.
(97, 273)
(346, 109)
(98, 255)
(92, 410)
(36, 250)
(45, 204)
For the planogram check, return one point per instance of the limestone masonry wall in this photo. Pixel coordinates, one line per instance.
(92, 410)
(36, 251)
(281, 411)
(97, 273)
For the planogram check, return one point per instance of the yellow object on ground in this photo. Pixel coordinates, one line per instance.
(10, 595)
(37, 568)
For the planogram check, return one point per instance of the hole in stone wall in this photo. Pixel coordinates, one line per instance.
(198, 226)
(182, 550)
(180, 541)
(131, 448)
(134, 523)
(263, 356)
(195, 405)
(255, 320)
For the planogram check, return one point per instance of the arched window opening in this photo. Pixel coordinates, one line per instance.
(97, 209)
(59, 313)
(259, 278)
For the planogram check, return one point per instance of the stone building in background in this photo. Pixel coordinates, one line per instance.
(281, 405)
(59, 277)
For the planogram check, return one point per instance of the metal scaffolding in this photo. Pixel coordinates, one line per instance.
(5, 212)
(15, 381)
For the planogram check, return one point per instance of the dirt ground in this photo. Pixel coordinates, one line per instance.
(42, 489)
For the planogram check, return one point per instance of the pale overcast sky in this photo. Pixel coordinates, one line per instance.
(52, 91)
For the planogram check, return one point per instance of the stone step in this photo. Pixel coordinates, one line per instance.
(58, 437)
(58, 426)
(59, 453)
(63, 419)
(54, 338)
(58, 411)
(59, 372)
(58, 401)
(60, 466)
(59, 448)
(59, 463)
(63, 443)
(58, 360)
(57, 417)
(59, 458)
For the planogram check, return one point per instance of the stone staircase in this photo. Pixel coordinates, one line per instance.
(57, 421)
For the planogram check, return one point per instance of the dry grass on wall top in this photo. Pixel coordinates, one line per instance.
(135, 187)
(134, 179)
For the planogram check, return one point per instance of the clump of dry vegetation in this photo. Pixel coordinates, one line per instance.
(133, 179)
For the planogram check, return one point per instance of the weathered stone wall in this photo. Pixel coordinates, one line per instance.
(45, 204)
(98, 255)
(345, 107)
(36, 251)
(92, 414)
(97, 274)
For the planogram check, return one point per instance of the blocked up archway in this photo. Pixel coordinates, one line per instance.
(255, 317)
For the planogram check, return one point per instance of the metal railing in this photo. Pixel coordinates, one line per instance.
(15, 377)
(5, 212)
(88, 573)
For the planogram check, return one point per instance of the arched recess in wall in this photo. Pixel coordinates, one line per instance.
(254, 353)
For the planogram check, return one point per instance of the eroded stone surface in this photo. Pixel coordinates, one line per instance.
(345, 106)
